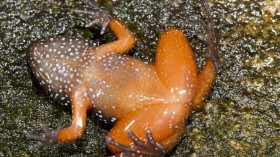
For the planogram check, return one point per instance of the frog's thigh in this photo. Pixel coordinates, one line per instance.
(166, 122)
(171, 141)
(175, 63)
(80, 104)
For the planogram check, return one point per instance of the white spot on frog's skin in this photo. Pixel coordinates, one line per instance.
(79, 122)
(182, 92)
(172, 90)
(114, 119)
(85, 94)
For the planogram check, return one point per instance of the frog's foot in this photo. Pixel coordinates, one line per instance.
(212, 36)
(48, 138)
(98, 14)
(151, 148)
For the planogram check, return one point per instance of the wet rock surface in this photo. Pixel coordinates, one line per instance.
(241, 117)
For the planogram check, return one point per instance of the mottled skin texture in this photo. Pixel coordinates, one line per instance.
(147, 102)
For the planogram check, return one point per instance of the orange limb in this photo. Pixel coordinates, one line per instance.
(175, 65)
(124, 43)
(171, 141)
(80, 104)
(164, 123)
(206, 78)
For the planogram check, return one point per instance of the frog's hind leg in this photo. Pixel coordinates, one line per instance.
(159, 131)
(80, 104)
(140, 147)
(207, 75)
(175, 65)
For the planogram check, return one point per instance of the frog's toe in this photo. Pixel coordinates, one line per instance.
(149, 148)
(212, 34)
(98, 14)
(47, 138)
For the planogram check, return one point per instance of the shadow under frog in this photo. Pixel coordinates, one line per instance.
(148, 103)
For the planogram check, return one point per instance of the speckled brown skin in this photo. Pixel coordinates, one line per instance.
(147, 102)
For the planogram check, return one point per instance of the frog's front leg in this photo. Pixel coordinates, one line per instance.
(80, 104)
(126, 38)
(99, 15)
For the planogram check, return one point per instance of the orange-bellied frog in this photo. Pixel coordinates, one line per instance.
(147, 103)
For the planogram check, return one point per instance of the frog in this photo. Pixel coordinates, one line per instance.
(147, 103)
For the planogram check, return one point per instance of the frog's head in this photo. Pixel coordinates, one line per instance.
(55, 61)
